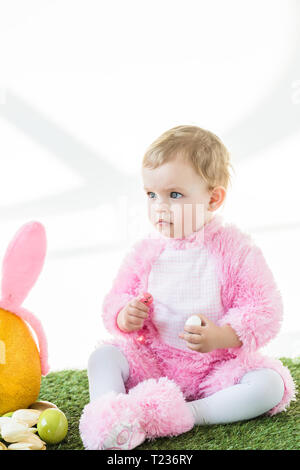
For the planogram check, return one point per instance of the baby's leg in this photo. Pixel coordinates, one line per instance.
(258, 392)
(108, 370)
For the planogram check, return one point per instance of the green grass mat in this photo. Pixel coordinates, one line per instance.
(69, 391)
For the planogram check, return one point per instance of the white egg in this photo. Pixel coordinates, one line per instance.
(194, 320)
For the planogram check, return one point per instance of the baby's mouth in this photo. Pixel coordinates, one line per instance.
(163, 222)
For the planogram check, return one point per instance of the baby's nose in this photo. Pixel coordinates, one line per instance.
(162, 206)
(160, 209)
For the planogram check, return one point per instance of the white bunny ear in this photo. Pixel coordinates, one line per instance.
(22, 263)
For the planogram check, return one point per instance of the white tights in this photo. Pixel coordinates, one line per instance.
(257, 392)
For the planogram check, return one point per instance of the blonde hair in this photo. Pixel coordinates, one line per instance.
(206, 152)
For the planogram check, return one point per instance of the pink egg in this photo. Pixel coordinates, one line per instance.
(147, 298)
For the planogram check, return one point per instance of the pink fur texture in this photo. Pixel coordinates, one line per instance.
(252, 305)
(98, 417)
(22, 264)
(157, 405)
(164, 409)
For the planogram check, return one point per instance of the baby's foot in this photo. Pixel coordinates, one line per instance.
(112, 421)
(153, 408)
(124, 436)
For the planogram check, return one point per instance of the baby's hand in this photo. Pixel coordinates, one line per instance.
(204, 338)
(133, 315)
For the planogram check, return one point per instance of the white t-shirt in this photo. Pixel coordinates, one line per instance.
(183, 282)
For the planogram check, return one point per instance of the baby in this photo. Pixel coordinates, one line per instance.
(160, 376)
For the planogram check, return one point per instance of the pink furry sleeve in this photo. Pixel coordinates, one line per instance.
(125, 287)
(256, 309)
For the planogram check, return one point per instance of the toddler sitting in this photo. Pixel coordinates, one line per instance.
(159, 376)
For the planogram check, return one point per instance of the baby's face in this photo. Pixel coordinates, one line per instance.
(179, 196)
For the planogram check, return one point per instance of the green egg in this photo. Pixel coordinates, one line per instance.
(10, 413)
(52, 426)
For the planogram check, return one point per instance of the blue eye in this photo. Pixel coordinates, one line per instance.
(150, 192)
(175, 192)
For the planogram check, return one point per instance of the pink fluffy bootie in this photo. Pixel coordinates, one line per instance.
(153, 408)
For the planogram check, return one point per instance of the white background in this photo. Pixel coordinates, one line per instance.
(86, 86)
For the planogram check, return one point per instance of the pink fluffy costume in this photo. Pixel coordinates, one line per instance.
(216, 271)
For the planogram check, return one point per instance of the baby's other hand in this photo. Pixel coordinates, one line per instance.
(133, 315)
(204, 338)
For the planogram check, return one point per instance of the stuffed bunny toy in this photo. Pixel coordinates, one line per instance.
(23, 344)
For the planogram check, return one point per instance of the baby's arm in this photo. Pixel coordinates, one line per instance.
(256, 310)
(125, 287)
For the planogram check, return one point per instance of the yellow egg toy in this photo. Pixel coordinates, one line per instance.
(23, 344)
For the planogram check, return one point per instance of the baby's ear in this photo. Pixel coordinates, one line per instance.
(22, 263)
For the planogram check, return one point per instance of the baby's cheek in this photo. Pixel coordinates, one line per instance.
(150, 211)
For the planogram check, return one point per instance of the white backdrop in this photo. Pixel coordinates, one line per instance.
(86, 86)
